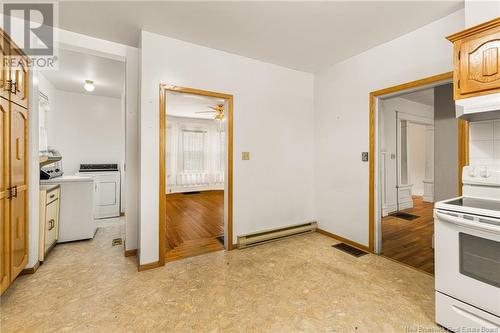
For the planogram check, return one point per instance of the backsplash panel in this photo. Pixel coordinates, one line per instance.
(485, 143)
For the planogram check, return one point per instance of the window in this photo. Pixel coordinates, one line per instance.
(43, 108)
(220, 149)
(193, 151)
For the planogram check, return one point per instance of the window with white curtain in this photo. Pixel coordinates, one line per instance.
(193, 151)
(43, 108)
(220, 151)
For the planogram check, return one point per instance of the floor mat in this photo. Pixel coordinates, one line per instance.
(349, 249)
(404, 216)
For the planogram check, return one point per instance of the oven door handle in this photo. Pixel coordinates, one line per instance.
(466, 223)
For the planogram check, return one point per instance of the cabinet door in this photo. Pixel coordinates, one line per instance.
(4, 48)
(19, 179)
(51, 219)
(480, 63)
(19, 77)
(4, 201)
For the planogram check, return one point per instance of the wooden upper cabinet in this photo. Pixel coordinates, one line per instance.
(4, 48)
(477, 60)
(19, 77)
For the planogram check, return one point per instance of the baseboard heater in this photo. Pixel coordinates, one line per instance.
(275, 234)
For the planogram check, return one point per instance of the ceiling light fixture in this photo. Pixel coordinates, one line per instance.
(89, 85)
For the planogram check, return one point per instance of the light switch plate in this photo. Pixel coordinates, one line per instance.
(364, 156)
(245, 155)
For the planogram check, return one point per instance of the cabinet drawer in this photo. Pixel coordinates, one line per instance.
(52, 195)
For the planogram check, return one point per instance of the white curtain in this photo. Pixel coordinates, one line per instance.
(43, 108)
(193, 151)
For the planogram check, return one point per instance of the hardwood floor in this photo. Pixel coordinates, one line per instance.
(194, 221)
(410, 242)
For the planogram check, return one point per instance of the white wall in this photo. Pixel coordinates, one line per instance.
(477, 11)
(341, 102)
(85, 129)
(417, 156)
(485, 143)
(132, 148)
(446, 173)
(273, 120)
(387, 143)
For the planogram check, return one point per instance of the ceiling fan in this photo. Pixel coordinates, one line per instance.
(218, 110)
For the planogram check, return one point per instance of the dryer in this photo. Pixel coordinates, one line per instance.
(106, 188)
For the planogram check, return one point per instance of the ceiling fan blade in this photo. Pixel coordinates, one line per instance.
(204, 111)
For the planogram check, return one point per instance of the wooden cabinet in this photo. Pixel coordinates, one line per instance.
(19, 188)
(13, 166)
(477, 60)
(19, 79)
(49, 219)
(4, 74)
(4, 195)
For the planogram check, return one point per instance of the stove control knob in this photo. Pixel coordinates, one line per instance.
(472, 172)
(485, 173)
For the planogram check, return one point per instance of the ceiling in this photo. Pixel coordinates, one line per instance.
(306, 36)
(187, 105)
(74, 68)
(422, 96)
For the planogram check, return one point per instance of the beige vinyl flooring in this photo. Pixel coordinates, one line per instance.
(300, 284)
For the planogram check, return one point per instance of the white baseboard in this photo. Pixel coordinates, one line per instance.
(184, 189)
(428, 198)
(389, 208)
(405, 205)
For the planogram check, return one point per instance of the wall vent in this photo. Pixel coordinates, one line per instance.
(275, 234)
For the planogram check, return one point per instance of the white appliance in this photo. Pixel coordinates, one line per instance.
(106, 188)
(76, 221)
(467, 254)
(486, 107)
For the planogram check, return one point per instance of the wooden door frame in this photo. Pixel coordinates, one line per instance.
(164, 89)
(463, 142)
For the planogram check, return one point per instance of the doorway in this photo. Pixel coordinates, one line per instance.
(411, 139)
(195, 172)
(406, 171)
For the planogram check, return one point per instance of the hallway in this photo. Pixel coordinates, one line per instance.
(410, 242)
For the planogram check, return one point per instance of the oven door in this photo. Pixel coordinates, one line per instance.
(467, 253)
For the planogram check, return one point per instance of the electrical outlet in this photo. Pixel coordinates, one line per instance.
(245, 155)
(364, 156)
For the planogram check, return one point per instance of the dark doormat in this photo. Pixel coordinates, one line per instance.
(404, 216)
(349, 249)
(220, 239)
(188, 193)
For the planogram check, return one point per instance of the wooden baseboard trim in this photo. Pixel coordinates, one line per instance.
(130, 253)
(151, 265)
(344, 240)
(31, 270)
